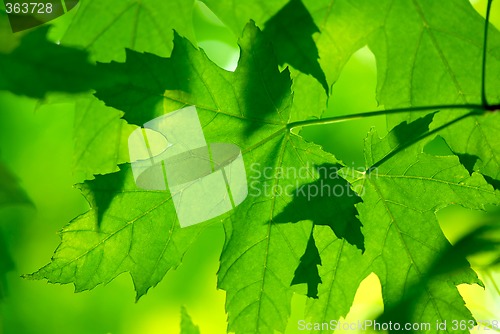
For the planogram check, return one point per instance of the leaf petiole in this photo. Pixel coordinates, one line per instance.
(485, 51)
(338, 119)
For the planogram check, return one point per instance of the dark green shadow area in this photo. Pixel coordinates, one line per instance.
(51, 68)
(307, 271)
(291, 31)
(137, 86)
(334, 193)
(328, 201)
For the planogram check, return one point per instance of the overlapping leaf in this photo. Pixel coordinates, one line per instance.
(476, 136)
(401, 231)
(47, 70)
(90, 156)
(290, 28)
(36, 73)
(138, 233)
(343, 25)
(250, 108)
(291, 31)
(145, 26)
(441, 64)
(344, 267)
(442, 58)
(483, 240)
(107, 28)
(128, 229)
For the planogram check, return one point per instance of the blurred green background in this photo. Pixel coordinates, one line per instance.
(36, 143)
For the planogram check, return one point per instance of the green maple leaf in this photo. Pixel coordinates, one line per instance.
(344, 265)
(432, 57)
(142, 25)
(291, 29)
(258, 262)
(438, 47)
(135, 231)
(402, 235)
(441, 63)
(144, 239)
(343, 27)
(106, 38)
(476, 136)
(115, 25)
(147, 85)
(251, 108)
(47, 70)
(483, 240)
